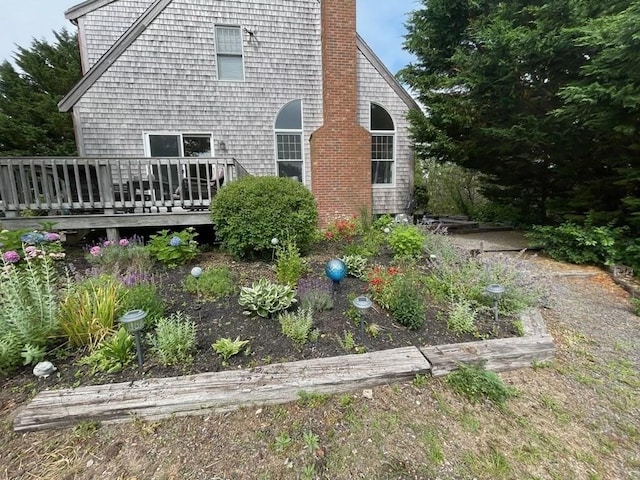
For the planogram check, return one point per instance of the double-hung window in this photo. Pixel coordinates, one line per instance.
(382, 146)
(229, 53)
(289, 147)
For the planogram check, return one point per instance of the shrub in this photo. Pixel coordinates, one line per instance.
(298, 326)
(251, 211)
(407, 303)
(16, 245)
(119, 256)
(174, 340)
(462, 317)
(315, 294)
(212, 284)
(89, 310)
(227, 348)
(289, 264)
(579, 243)
(368, 245)
(144, 296)
(476, 384)
(341, 230)
(406, 241)
(356, 265)
(112, 354)
(28, 311)
(380, 284)
(265, 298)
(173, 248)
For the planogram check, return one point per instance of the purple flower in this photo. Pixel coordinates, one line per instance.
(124, 242)
(51, 237)
(11, 256)
(95, 251)
(175, 242)
(107, 243)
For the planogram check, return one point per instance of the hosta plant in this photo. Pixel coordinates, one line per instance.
(173, 248)
(227, 348)
(265, 298)
(356, 265)
(113, 354)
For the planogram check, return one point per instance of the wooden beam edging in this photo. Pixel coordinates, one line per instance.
(218, 391)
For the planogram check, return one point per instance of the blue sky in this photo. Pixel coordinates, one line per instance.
(380, 23)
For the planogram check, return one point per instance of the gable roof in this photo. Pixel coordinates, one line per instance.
(140, 25)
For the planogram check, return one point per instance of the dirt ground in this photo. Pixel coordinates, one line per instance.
(575, 418)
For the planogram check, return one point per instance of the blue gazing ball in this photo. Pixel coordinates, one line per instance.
(336, 270)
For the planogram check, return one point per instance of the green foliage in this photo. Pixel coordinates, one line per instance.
(406, 241)
(118, 257)
(144, 296)
(112, 354)
(407, 304)
(356, 265)
(213, 283)
(32, 354)
(347, 342)
(174, 340)
(227, 348)
(251, 211)
(373, 329)
(298, 327)
(89, 309)
(28, 310)
(30, 122)
(635, 304)
(312, 399)
(477, 384)
(266, 298)
(368, 245)
(381, 286)
(289, 264)
(579, 244)
(462, 317)
(173, 248)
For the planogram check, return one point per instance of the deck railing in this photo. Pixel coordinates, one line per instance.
(72, 186)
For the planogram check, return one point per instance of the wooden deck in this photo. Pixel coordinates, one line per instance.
(271, 384)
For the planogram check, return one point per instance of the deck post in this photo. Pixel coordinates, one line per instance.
(8, 193)
(105, 178)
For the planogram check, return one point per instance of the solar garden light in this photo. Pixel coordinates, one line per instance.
(496, 292)
(274, 244)
(363, 304)
(196, 272)
(336, 270)
(133, 321)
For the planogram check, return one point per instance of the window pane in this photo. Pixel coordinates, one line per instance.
(290, 117)
(289, 146)
(382, 147)
(164, 145)
(196, 146)
(229, 40)
(381, 172)
(380, 118)
(229, 67)
(291, 170)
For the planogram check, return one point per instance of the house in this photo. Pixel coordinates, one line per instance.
(284, 87)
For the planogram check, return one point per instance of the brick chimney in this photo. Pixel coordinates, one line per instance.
(340, 148)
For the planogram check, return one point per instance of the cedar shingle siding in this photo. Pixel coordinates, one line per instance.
(166, 81)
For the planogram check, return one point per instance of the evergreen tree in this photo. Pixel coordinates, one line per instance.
(30, 123)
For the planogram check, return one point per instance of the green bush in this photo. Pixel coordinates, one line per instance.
(408, 302)
(28, 311)
(406, 241)
(580, 244)
(212, 284)
(289, 264)
(297, 326)
(251, 211)
(265, 298)
(476, 384)
(173, 248)
(174, 340)
(144, 296)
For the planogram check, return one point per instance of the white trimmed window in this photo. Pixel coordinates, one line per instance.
(289, 147)
(229, 53)
(383, 135)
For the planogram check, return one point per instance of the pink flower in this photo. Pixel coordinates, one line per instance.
(123, 242)
(95, 251)
(11, 256)
(51, 237)
(107, 243)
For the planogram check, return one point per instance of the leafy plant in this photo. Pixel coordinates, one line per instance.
(173, 248)
(251, 211)
(174, 340)
(462, 317)
(212, 284)
(380, 281)
(144, 296)
(407, 303)
(298, 326)
(315, 294)
(28, 310)
(227, 348)
(476, 384)
(406, 241)
(356, 265)
(289, 264)
(266, 298)
(116, 257)
(311, 441)
(283, 440)
(373, 329)
(635, 304)
(112, 354)
(347, 342)
(342, 230)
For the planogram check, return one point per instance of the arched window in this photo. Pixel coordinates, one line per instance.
(289, 148)
(383, 133)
